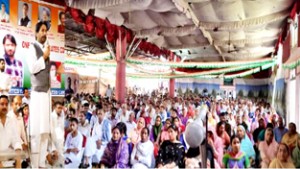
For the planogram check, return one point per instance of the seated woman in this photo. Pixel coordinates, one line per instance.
(296, 154)
(235, 158)
(246, 144)
(156, 129)
(217, 146)
(142, 156)
(220, 131)
(73, 146)
(135, 134)
(116, 153)
(283, 158)
(268, 148)
(164, 135)
(290, 138)
(171, 153)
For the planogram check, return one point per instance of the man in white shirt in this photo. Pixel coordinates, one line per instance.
(26, 98)
(130, 124)
(10, 140)
(73, 146)
(4, 17)
(84, 127)
(39, 120)
(5, 79)
(101, 134)
(57, 130)
(108, 92)
(124, 116)
(14, 114)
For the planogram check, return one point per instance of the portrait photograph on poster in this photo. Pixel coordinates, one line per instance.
(14, 65)
(4, 11)
(45, 15)
(55, 76)
(61, 23)
(24, 14)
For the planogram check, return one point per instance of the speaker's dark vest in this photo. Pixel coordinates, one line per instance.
(40, 82)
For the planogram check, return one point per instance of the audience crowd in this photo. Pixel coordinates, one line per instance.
(144, 132)
(247, 133)
(147, 131)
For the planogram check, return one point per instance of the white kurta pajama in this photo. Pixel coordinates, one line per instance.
(39, 118)
(74, 142)
(20, 125)
(144, 152)
(9, 136)
(96, 135)
(90, 147)
(57, 133)
(101, 131)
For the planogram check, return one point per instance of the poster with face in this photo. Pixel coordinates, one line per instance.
(17, 37)
(55, 77)
(45, 15)
(4, 11)
(24, 14)
(61, 23)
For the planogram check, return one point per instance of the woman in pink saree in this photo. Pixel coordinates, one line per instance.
(217, 145)
(268, 148)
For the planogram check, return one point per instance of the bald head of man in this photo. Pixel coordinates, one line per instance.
(16, 103)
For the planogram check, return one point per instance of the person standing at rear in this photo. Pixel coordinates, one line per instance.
(39, 120)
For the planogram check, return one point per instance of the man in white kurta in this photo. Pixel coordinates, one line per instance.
(14, 114)
(130, 124)
(5, 79)
(39, 119)
(10, 140)
(101, 135)
(57, 131)
(73, 146)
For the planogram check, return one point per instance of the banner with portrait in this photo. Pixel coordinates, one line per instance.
(18, 19)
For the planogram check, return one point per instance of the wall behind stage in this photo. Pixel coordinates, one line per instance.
(25, 36)
(242, 87)
(252, 88)
(211, 85)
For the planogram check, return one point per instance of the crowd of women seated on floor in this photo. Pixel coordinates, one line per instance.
(247, 133)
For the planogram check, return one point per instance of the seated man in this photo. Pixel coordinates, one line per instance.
(14, 113)
(57, 129)
(10, 140)
(85, 129)
(73, 146)
(101, 134)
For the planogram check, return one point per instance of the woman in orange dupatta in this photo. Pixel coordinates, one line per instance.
(283, 158)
